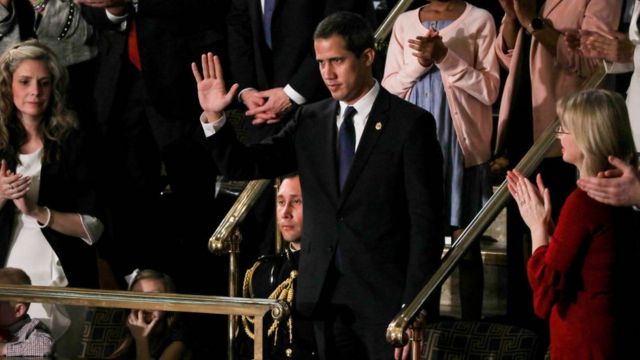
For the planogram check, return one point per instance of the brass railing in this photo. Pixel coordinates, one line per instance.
(387, 24)
(226, 240)
(257, 308)
(396, 331)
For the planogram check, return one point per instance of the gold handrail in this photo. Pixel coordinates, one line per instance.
(396, 331)
(387, 24)
(226, 240)
(218, 243)
(257, 308)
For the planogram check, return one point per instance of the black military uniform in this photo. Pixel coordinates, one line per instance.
(274, 277)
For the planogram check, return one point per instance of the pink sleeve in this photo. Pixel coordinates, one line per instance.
(482, 79)
(399, 74)
(600, 15)
(504, 56)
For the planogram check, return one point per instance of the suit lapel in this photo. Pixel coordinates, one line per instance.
(328, 157)
(372, 131)
(550, 6)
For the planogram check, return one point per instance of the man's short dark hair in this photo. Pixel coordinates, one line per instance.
(353, 28)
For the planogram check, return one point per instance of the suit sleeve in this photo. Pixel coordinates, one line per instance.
(273, 157)
(424, 187)
(240, 42)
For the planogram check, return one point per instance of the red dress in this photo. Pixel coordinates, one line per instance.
(573, 279)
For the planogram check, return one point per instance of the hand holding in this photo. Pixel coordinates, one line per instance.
(12, 186)
(276, 106)
(250, 99)
(619, 186)
(415, 334)
(212, 92)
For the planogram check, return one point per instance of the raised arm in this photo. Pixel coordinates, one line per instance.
(212, 92)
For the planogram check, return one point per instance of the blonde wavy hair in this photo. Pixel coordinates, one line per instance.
(599, 122)
(58, 121)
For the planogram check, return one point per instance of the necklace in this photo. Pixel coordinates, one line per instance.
(39, 5)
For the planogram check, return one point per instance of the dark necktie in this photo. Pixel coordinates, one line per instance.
(346, 144)
(269, 5)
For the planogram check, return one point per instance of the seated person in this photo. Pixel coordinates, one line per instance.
(274, 277)
(153, 334)
(19, 334)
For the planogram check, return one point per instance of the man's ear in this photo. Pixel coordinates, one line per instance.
(368, 55)
(21, 309)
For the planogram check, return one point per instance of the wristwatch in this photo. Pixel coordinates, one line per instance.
(535, 25)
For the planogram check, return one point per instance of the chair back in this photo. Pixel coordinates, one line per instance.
(480, 340)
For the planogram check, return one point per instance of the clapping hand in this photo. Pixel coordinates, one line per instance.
(12, 186)
(428, 48)
(616, 48)
(212, 93)
(533, 202)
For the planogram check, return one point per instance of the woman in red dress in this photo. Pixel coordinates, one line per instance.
(577, 268)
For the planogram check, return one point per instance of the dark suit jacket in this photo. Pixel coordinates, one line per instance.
(68, 185)
(291, 59)
(171, 35)
(386, 224)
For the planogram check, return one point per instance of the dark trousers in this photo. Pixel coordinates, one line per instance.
(340, 335)
(149, 226)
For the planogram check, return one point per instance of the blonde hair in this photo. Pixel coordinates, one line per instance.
(599, 122)
(58, 120)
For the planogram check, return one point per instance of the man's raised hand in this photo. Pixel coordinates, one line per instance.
(212, 93)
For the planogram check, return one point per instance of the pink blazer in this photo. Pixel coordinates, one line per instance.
(553, 75)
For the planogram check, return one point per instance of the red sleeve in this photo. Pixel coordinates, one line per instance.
(549, 267)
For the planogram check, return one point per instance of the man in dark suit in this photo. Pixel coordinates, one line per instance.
(143, 91)
(371, 183)
(272, 58)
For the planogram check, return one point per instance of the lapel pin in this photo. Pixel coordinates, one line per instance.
(378, 125)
